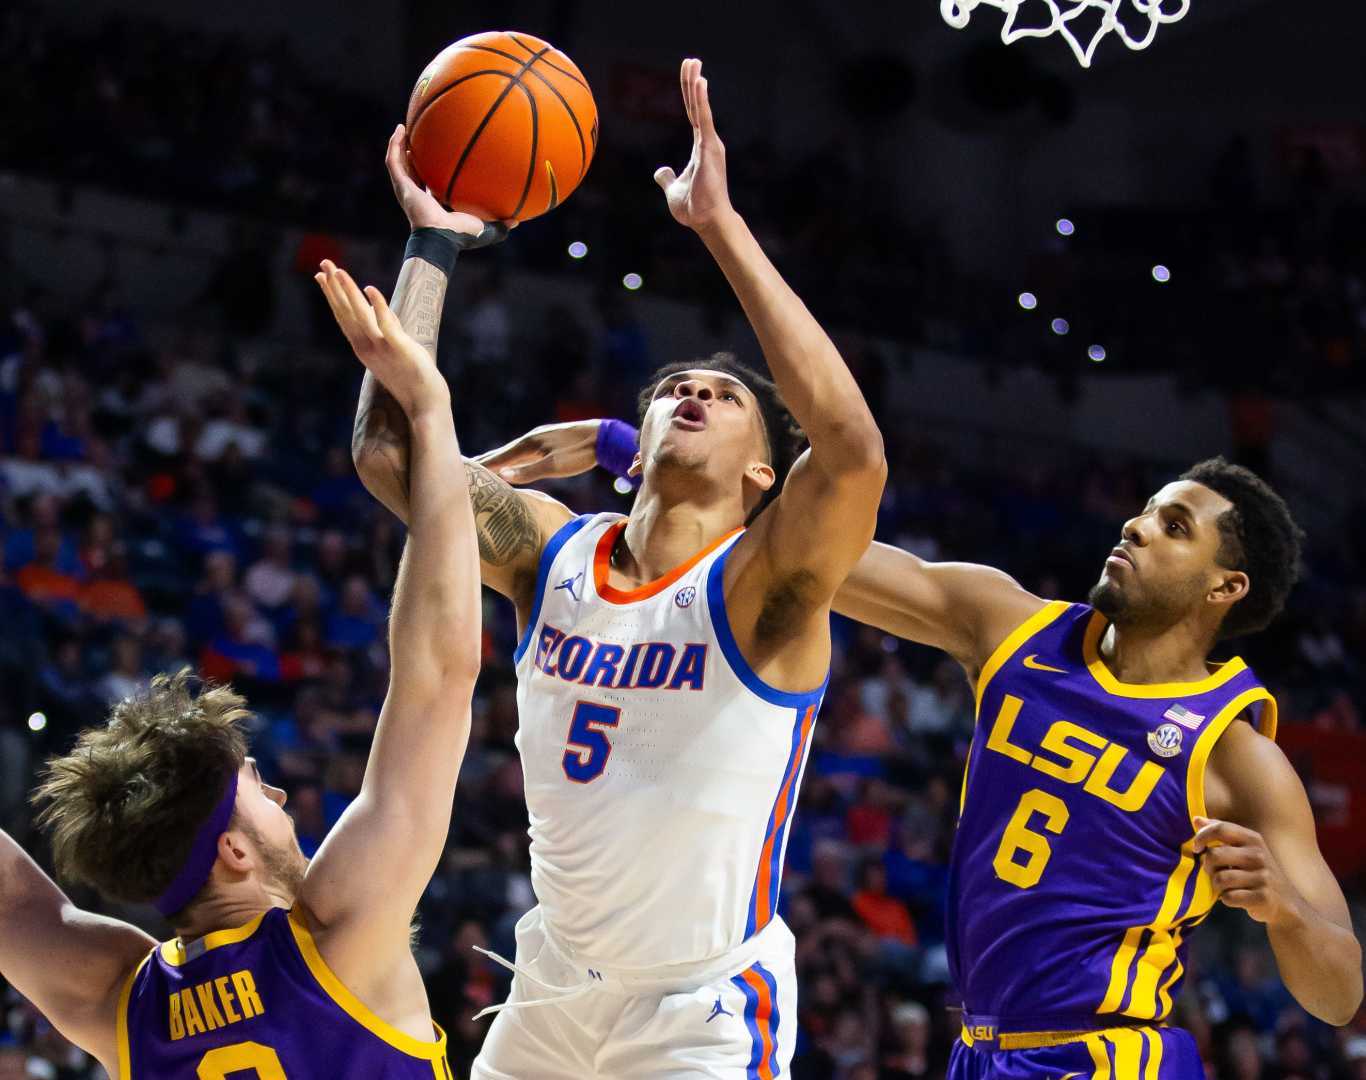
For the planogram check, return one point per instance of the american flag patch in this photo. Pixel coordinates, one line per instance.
(1184, 717)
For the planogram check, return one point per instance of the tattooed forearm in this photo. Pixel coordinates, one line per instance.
(418, 300)
(507, 531)
(379, 439)
(380, 424)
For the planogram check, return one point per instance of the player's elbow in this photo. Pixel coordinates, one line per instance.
(372, 458)
(1342, 1013)
(1339, 1000)
(1345, 1010)
(456, 672)
(855, 448)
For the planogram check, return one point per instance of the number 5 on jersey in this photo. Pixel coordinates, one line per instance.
(589, 747)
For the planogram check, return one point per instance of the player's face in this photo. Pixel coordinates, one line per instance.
(264, 806)
(704, 419)
(1166, 562)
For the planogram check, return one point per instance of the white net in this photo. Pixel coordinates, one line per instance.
(1136, 29)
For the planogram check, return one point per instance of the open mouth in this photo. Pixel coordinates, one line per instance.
(690, 414)
(1122, 557)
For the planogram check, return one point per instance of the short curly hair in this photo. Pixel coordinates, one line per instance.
(122, 807)
(1259, 536)
(783, 434)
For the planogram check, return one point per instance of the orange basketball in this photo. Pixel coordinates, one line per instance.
(502, 125)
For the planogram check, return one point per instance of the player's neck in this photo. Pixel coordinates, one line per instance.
(663, 534)
(1156, 654)
(230, 908)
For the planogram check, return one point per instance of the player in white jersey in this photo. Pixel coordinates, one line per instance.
(670, 668)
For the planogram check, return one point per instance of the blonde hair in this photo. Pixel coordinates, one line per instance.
(122, 807)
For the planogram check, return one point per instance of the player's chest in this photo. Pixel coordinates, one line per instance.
(1121, 752)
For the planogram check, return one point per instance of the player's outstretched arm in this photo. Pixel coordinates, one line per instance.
(70, 963)
(513, 526)
(364, 884)
(963, 608)
(804, 544)
(548, 452)
(1262, 852)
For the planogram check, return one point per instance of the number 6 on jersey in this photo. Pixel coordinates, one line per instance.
(589, 747)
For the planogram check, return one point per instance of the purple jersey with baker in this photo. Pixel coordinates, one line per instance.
(259, 1003)
(1073, 884)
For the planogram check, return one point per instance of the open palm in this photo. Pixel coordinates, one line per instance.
(697, 197)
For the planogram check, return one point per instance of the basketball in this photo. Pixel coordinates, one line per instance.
(502, 125)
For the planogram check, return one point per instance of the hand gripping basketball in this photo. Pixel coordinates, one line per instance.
(421, 207)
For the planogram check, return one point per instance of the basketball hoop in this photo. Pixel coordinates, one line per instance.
(957, 14)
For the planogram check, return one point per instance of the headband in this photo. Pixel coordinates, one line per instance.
(203, 854)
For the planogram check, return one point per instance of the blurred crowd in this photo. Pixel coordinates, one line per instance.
(1265, 286)
(182, 494)
(172, 496)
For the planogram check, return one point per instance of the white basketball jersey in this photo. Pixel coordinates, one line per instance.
(661, 772)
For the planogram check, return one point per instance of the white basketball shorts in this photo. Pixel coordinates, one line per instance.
(734, 1018)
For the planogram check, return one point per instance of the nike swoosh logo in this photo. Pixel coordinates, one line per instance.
(1032, 662)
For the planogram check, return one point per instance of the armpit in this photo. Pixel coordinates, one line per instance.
(786, 601)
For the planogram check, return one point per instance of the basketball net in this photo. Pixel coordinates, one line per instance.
(957, 14)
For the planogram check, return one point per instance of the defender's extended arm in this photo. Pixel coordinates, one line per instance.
(70, 963)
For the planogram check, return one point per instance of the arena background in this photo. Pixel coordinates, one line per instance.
(175, 404)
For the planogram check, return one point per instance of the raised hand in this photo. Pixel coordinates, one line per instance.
(698, 197)
(420, 205)
(402, 365)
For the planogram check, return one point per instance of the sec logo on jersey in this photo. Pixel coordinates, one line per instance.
(1165, 741)
(685, 596)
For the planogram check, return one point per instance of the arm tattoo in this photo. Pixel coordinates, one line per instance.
(418, 301)
(507, 531)
(380, 422)
(381, 429)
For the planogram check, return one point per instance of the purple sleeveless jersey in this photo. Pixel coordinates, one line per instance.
(1073, 885)
(259, 1003)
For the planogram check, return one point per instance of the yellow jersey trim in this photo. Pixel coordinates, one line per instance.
(355, 1008)
(1017, 637)
(175, 952)
(1204, 745)
(1156, 958)
(1090, 650)
(1268, 722)
(121, 1020)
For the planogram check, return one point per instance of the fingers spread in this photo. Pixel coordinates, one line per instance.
(361, 311)
(384, 317)
(327, 280)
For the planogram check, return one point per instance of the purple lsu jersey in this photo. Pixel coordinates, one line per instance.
(1073, 885)
(259, 1003)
